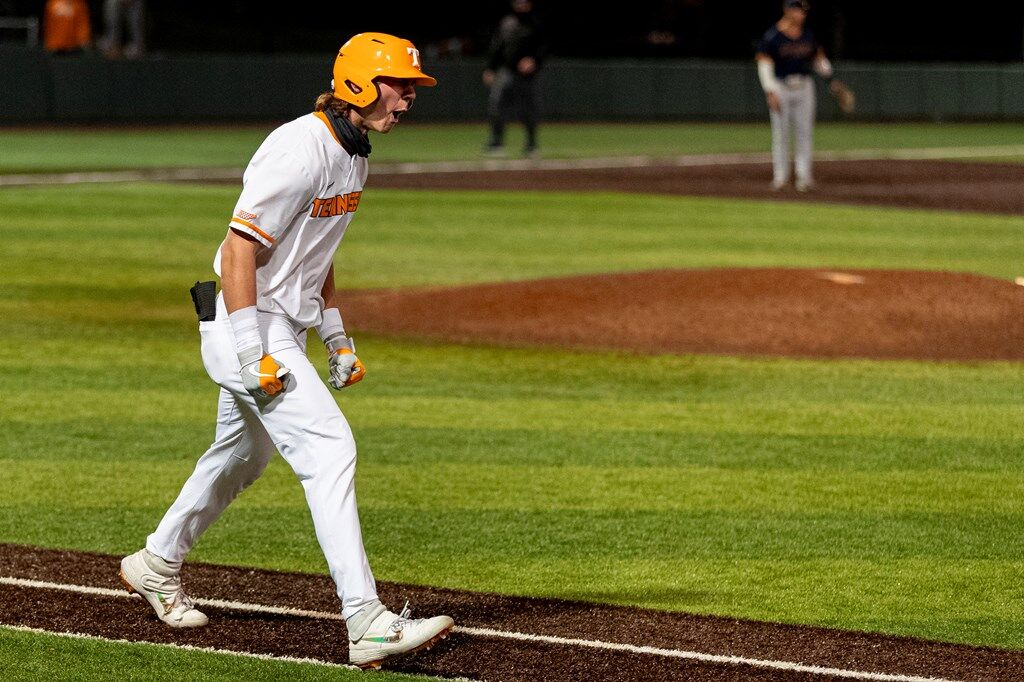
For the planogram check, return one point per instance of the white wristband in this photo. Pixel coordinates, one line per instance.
(766, 74)
(330, 325)
(246, 328)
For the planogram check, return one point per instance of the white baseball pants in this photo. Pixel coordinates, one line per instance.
(305, 425)
(796, 116)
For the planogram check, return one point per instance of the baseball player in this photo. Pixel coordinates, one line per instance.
(300, 192)
(786, 57)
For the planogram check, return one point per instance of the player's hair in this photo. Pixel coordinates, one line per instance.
(327, 101)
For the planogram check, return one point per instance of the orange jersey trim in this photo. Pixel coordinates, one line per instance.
(246, 223)
(323, 117)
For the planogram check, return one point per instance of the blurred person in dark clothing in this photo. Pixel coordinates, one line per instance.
(66, 27)
(121, 14)
(514, 59)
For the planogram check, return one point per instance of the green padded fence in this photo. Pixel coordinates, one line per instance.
(36, 87)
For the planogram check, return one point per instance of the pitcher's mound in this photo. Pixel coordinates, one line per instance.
(803, 313)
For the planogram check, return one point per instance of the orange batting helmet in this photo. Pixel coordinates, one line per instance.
(368, 55)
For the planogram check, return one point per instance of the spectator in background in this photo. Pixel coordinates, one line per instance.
(66, 26)
(514, 59)
(118, 15)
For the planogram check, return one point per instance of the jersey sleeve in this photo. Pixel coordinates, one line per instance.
(275, 188)
(764, 45)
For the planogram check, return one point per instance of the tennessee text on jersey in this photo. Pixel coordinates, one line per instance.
(340, 204)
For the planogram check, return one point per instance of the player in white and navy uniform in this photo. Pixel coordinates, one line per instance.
(786, 57)
(301, 191)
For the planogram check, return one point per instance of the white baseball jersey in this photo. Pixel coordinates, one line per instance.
(299, 193)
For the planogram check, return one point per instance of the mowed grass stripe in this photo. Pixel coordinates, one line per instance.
(138, 245)
(172, 443)
(71, 149)
(683, 488)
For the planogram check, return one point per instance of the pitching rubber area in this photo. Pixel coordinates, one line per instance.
(294, 617)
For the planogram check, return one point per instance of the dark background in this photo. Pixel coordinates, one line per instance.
(898, 30)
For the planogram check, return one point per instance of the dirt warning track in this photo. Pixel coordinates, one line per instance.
(497, 637)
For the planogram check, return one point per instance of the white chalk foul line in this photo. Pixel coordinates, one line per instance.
(693, 160)
(184, 647)
(485, 165)
(520, 636)
(139, 175)
(215, 603)
(702, 657)
(203, 649)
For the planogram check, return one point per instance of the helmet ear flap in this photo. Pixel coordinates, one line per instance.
(351, 88)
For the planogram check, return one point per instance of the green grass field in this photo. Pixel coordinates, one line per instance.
(29, 655)
(885, 496)
(47, 150)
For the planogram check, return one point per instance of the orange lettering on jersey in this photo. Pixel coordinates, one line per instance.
(353, 201)
(339, 204)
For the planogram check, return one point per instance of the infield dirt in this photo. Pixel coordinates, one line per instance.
(468, 655)
(946, 185)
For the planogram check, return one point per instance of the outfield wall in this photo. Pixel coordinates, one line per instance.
(36, 87)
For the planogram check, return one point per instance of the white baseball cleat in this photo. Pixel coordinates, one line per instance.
(160, 585)
(389, 634)
(777, 185)
(804, 185)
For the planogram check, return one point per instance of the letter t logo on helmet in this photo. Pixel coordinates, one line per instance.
(369, 55)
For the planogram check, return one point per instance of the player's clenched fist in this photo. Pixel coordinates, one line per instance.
(345, 368)
(262, 376)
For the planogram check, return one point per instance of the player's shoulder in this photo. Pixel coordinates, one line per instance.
(298, 133)
(288, 151)
(769, 41)
(299, 139)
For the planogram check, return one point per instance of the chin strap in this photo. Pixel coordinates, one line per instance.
(354, 141)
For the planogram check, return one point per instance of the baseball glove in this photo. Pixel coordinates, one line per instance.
(844, 96)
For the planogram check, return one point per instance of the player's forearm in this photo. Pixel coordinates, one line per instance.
(345, 368)
(331, 325)
(238, 283)
(238, 272)
(327, 290)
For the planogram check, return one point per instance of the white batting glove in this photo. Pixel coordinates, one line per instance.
(262, 376)
(345, 368)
